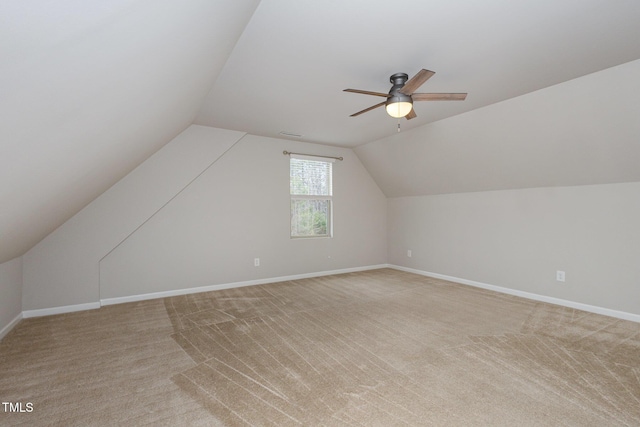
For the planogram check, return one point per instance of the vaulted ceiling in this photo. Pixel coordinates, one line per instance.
(293, 60)
(88, 90)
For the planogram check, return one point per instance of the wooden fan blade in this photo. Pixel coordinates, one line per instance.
(439, 96)
(412, 115)
(367, 92)
(416, 81)
(368, 109)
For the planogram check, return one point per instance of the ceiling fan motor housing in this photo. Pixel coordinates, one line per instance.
(398, 80)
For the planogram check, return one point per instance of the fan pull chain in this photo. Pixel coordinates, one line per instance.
(398, 125)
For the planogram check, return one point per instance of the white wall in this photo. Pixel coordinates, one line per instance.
(508, 194)
(10, 294)
(518, 239)
(197, 213)
(63, 269)
(239, 210)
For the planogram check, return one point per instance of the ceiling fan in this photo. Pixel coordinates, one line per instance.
(399, 102)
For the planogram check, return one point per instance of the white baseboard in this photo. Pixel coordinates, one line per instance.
(10, 326)
(60, 310)
(543, 298)
(176, 292)
(132, 298)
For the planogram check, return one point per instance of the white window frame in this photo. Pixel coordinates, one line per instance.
(327, 198)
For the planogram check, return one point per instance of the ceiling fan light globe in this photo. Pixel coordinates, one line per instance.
(399, 109)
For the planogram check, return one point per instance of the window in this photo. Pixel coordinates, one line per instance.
(310, 188)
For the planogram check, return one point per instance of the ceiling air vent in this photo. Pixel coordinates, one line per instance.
(290, 134)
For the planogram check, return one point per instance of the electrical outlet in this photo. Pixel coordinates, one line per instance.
(560, 276)
(256, 262)
(409, 253)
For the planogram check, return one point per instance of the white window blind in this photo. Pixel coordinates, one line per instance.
(311, 191)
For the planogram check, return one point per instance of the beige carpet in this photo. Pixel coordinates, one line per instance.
(373, 348)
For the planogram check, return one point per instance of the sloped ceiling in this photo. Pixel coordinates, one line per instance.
(581, 132)
(89, 90)
(291, 64)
